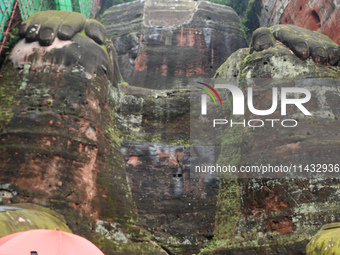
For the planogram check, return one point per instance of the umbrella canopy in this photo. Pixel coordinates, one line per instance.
(46, 242)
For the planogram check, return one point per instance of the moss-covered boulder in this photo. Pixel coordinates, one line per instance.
(22, 217)
(326, 241)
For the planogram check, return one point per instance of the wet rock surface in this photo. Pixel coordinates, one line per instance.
(164, 45)
(58, 149)
(153, 115)
(177, 209)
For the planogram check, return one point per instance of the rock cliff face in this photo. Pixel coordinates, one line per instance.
(320, 16)
(163, 44)
(271, 12)
(178, 210)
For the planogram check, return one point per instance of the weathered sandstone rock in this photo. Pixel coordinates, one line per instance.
(60, 142)
(178, 210)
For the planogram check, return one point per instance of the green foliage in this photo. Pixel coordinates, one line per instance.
(245, 30)
(12, 39)
(239, 6)
(248, 10)
(251, 16)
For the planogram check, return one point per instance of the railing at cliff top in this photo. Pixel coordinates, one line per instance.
(28, 7)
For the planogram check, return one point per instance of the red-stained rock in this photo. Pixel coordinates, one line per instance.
(321, 16)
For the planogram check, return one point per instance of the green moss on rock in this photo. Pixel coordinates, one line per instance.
(8, 95)
(326, 241)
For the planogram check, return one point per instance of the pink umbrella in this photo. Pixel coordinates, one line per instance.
(46, 242)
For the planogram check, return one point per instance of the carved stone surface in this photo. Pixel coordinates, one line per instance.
(279, 216)
(62, 121)
(59, 145)
(293, 53)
